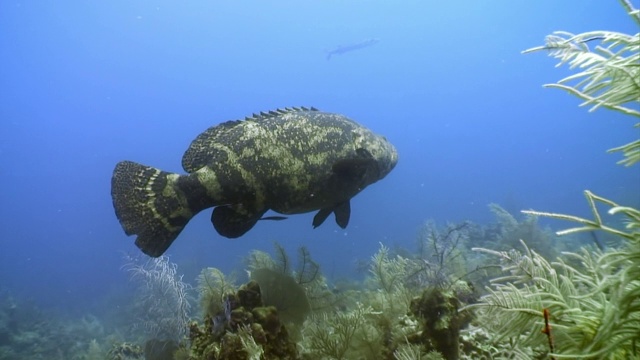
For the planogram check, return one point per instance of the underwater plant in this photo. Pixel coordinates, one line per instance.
(283, 292)
(509, 230)
(591, 310)
(336, 336)
(611, 72)
(415, 352)
(440, 256)
(163, 298)
(388, 282)
(245, 329)
(212, 288)
(306, 275)
(423, 313)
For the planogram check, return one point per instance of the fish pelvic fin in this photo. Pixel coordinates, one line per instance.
(233, 222)
(153, 204)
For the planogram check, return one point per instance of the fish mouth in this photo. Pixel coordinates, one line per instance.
(389, 161)
(393, 158)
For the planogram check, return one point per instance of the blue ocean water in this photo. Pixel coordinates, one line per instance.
(84, 85)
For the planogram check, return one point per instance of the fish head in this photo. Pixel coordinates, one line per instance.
(383, 155)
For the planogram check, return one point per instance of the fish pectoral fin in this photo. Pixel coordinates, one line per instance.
(341, 211)
(233, 222)
(321, 216)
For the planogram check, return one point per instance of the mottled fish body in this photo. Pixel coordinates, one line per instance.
(290, 161)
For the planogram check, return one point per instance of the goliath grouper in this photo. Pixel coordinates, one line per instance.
(291, 161)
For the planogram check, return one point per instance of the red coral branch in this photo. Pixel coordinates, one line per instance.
(547, 330)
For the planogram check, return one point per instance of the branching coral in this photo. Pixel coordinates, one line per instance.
(591, 310)
(509, 230)
(594, 310)
(440, 255)
(163, 298)
(414, 352)
(611, 72)
(435, 320)
(389, 277)
(212, 287)
(245, 329)
(335, 336)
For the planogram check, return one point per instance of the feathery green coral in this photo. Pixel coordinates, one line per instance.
(414, 352)
(212, 287)
(594, 309)
(590, 310)
(611, 72)
(389, 277)
(335, 336)
(510, 230)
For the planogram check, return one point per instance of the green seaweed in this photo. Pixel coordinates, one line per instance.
(212, 288)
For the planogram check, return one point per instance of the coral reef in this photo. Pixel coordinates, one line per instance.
(125, 351)
(284, 293)
(343, 336)
(212, 287)
(594, 309)
(245, 329)
(416, 306)
(28, 332)
(439, 311)
(539, 299)
(589, 310)
(306, 274)
(391, 318)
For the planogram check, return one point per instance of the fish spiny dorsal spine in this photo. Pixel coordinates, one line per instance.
(273, 113)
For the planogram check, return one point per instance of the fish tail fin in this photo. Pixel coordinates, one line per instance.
(150, 203)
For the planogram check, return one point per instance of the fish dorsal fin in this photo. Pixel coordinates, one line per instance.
(262, 115)
(202, 149)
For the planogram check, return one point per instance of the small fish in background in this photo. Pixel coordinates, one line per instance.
(341, 49)
(291, 161)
